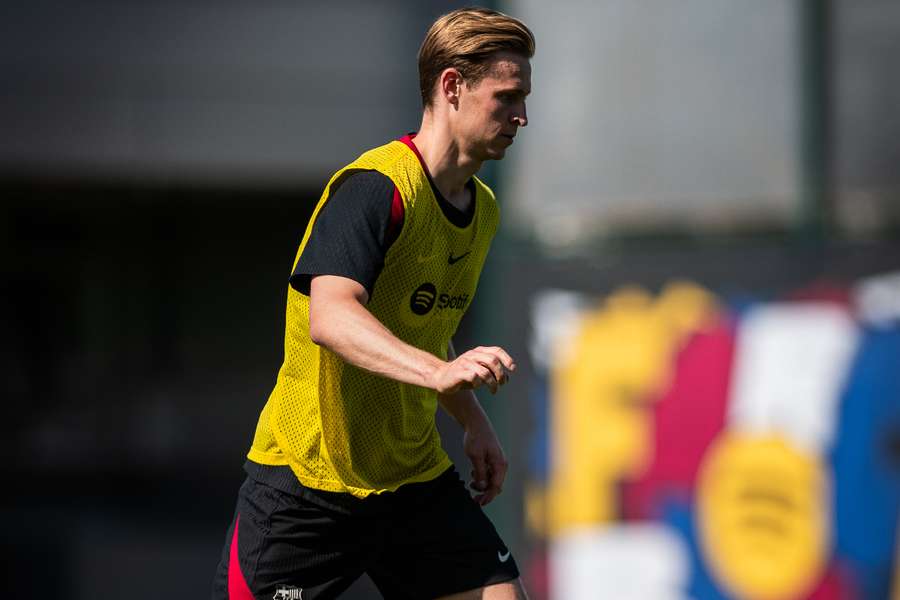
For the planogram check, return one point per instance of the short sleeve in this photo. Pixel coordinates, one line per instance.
(351, 234)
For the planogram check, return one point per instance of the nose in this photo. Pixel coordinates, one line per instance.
(520, 117)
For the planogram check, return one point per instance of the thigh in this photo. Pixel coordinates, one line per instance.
(282, 546)
(439, 544)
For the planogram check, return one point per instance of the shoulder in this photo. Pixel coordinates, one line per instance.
(383, 157)
(364, 183)
(362, 191)
(369, 199)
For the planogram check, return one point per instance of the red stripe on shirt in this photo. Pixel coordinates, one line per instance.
(408, 140)
(396, 222)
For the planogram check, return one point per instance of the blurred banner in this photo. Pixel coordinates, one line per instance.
(690, 445)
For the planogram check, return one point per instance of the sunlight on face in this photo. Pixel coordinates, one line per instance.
(492, 110)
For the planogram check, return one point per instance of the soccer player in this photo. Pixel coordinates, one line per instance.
(346, 474)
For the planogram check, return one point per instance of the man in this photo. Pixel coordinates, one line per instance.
(346, 474)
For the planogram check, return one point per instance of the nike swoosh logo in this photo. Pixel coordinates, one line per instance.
(451, 260)
(503, 557)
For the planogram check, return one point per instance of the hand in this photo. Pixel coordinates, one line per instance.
(489, 464)
(484, 365)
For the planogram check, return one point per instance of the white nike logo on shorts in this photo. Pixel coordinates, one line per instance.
(503, 557)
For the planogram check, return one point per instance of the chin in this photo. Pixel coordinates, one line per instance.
(494, 153)
(488, 151)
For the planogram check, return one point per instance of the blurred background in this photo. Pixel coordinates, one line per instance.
(698, 272)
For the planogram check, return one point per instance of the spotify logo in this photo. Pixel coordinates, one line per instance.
(422, 299)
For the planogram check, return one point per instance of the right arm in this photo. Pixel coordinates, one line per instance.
(337, 270)
(340, 321)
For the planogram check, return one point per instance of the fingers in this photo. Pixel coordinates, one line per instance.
(496, 360)
(485, 365)
(476, 374)
(486, 496)
(497, 467)
(488, 476)
(479, 473)
(463, 373)
(500, 353)
(492, 363)
(485, 492)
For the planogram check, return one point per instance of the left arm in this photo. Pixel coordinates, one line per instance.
(480, 441)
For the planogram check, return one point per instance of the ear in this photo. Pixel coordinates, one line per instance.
(450, 83)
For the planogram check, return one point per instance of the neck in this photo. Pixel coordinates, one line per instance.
(448, 164)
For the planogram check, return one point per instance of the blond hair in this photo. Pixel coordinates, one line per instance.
(465, 39)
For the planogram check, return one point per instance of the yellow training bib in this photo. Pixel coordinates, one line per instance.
(341, 428)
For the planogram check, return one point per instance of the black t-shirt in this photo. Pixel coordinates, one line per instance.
(357, 226)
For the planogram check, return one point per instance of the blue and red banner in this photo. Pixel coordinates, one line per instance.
(696, 448)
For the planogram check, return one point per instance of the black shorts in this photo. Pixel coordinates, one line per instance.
(423, 541)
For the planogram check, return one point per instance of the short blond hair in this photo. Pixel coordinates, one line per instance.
(465, 39)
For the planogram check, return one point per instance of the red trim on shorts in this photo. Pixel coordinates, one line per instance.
(237, 585)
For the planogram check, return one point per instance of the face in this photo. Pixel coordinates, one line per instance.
(491, 111)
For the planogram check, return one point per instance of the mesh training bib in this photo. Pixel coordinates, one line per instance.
(341, 428)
